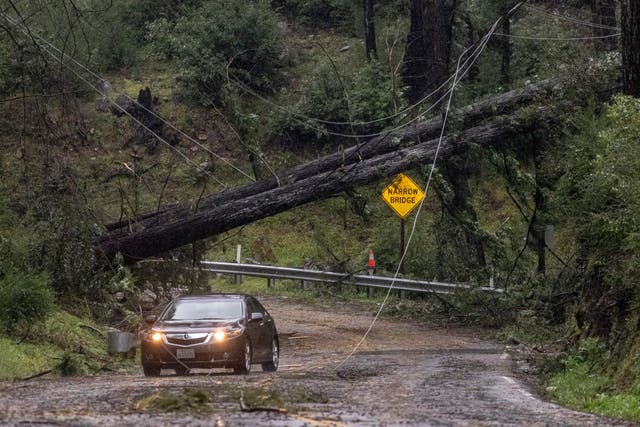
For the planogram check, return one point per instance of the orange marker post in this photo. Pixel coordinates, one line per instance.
(371, 265)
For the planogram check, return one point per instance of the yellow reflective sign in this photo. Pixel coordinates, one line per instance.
(403, 195)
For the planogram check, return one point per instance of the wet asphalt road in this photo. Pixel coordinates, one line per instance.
(405, 374)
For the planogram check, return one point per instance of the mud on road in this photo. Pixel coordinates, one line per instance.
(404, 374)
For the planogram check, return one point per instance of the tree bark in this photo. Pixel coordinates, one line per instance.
(417, 55)
(457, 169)
(474, 70)
(205, 223)
(505, 68)
(603, 14)
(369, 30)
(630, 19)
(465, 117)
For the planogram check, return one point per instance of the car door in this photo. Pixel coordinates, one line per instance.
(255, 329)
(268, 330)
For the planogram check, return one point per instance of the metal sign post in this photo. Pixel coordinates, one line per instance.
(401, 268)
(403, 195)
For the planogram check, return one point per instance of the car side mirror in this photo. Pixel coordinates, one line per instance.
(150, 319)
(256, 317)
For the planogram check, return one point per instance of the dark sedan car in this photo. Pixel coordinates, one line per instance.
(210, 331)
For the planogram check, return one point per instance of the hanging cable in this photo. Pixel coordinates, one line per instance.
(122, 109)
(297, 116)
(566, 39)
(571, 19)
(302, 118)
(419, 209)
(22, 28)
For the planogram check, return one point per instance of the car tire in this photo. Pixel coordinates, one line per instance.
(151, 371)
(272, 366)
(244, 366)
(181, 370)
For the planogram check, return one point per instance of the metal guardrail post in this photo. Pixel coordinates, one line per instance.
(305, 283)
(238, 277)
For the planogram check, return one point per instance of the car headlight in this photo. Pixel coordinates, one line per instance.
(223, 334)
(219, 335)
(156, 337)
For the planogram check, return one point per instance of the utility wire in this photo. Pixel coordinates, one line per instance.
(483, 43)
(571, 19)
(301, 117)
(433, 166)
(101, 79)
(122, 109)
(304, 118)
(567, 39)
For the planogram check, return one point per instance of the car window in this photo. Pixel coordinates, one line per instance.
(254, 306)
(203, 309)
(261, 307)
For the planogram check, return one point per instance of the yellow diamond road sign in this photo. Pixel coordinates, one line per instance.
(403, 195)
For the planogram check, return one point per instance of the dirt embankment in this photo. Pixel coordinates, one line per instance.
(403, 373)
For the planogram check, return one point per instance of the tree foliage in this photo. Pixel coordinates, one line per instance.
(331, 15)
(24, 298)
(221, 42)
(364, 99)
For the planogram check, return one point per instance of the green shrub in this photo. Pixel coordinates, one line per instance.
(325, 14)
(362, 98)
(328, 14)
(222, 39)
(72, 364)
(136, 15)
(117, 50)
(24, 299)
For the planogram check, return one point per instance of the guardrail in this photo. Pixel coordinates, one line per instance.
(273, 272)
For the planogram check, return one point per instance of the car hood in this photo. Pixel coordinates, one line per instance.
(170, 326)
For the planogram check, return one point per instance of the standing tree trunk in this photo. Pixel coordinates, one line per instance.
(505, 69)
(417, 56)
(369, 31)
(474, 70)
(630, 17)
(457, 169)
(439, 30)
(428, 46)
(603, 14)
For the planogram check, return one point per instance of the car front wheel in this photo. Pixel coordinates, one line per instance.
(181, 370)
(151, 371)
(272, 366)
(244, 367)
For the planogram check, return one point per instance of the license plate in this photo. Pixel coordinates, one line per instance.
(185, 353)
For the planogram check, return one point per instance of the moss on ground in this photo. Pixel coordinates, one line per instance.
(188, 400)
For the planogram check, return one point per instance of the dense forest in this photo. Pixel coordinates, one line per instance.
(176, 129)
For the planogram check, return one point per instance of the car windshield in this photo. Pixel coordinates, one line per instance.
(203, 309)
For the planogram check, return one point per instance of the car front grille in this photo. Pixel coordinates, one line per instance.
(187, 339)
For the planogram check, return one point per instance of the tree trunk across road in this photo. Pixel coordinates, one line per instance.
(378, 158)
(157, 239)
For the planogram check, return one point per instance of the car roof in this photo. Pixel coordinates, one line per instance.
(212, 296)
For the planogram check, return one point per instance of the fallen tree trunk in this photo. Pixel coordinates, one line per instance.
(425, 129)
(160, 238)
